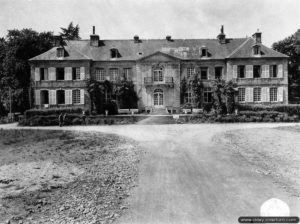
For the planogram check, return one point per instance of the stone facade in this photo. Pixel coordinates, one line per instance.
(157, 68)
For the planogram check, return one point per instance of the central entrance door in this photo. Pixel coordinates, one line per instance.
(158, 98)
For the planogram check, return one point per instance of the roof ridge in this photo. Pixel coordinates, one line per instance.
(239, 47)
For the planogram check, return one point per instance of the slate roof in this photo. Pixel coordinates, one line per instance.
(184, 49)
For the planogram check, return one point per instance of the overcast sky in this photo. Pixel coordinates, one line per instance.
(122, 19)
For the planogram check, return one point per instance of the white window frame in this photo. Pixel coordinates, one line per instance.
(242, 94)
(190, 72)
(158, 75)
(206, 92)
(100, 74)
(273, 94)
(76, 96)
(114, 74)
(257, 94)
(127, 73)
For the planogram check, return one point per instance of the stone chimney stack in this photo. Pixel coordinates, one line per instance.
(257, 37)
(222, 37)
(94, 39)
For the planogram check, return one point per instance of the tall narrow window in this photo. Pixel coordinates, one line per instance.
(218, 72)
(257, 94)
(256, 71)
(60, 96)
(127, 74)
(60, 52)
(273, 71)
(256, 50)
(190, 72)
(100, 74)
(203, 51)
(242, 93)
(76, 96)
(273, 94)
(241, 71)
(60, 73)
(76, 73)
(188, 97)
(158, 75)
(114, 74)
(204, 72)
(207, 95)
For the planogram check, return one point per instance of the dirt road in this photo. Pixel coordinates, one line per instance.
(189, 176)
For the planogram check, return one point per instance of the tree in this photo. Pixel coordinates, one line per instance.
(127, 95)
(15, 50)
(291, 47)
(71, 32)
(197, 87)
(183, 89)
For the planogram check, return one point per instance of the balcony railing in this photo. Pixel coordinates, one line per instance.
(166, 81)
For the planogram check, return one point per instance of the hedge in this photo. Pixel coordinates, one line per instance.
(45, 112)
(290, 109)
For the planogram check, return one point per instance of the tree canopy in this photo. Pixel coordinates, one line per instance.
(71, 32)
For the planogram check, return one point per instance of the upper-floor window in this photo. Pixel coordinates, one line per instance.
(190, 72)
(60, 96)
(273, 71)
(127, 74)
(60, 52)
(256, 50)
(43, 73)
(100, 74)
(218, 72)
(242, 94)
(114, 74)
(76, 73)
(207, 95)
(158, 75)
(204, 72)
(256, 71)
(60, 73)
(241, 71)
(257, 94)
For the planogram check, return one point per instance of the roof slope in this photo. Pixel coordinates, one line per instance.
(186, 49)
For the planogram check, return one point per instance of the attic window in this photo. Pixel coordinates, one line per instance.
(114, 53)
(203, 51)
(256, 50)
(60, 52)
(140, 53)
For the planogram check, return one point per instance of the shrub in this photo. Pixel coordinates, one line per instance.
(290, 109)
(45, 112)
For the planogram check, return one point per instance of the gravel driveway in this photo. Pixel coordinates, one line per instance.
(189, 176)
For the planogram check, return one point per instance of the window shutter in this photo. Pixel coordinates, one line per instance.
(234, 74)
(263, 73)
(82, 73)
(280, 94)
(46, 74)
(68, 73)
(37, 97)
(280, 71)
(208, 73)
(249, 71)
(37, 74)
(267, 71)
(52, 73)
(267, 94)
(68, 96)
(82, 96)
(249, 93)
(52, 95)
(263, 94)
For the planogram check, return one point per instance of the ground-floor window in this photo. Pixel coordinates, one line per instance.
(257, 94)
(76, 96)
(273, 94)
(207, 95)
(158, 97)
(188, 97)
(242, 94)
(60, 96)
(44, 97)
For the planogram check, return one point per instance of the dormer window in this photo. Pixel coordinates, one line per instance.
(256, 50)
(203, 51)
(60, 52)
(114, 53)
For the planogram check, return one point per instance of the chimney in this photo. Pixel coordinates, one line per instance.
(136, 39)
(222, 37)
(168, 38)
(94, 39)
(257, 37)
(57, 41)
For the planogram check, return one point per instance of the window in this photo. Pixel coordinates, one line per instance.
(218, 72)
(44, 97)
(76, 96)
(76, 73)
(207, 95)
(114, 74)
(256, 71)
(273, 71)
(204, 73)
(242, 93)
(60, 52)
(114, 53)
(203, 51)
(256, 50)
(60, 73)
(190, 72)
(241, 71)
(257, 94)
(158, 75)
(127, 74)
(100, 74)
(42, 74)
(188, 97)
(273, 94)
(60, 96)
(158, 97)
